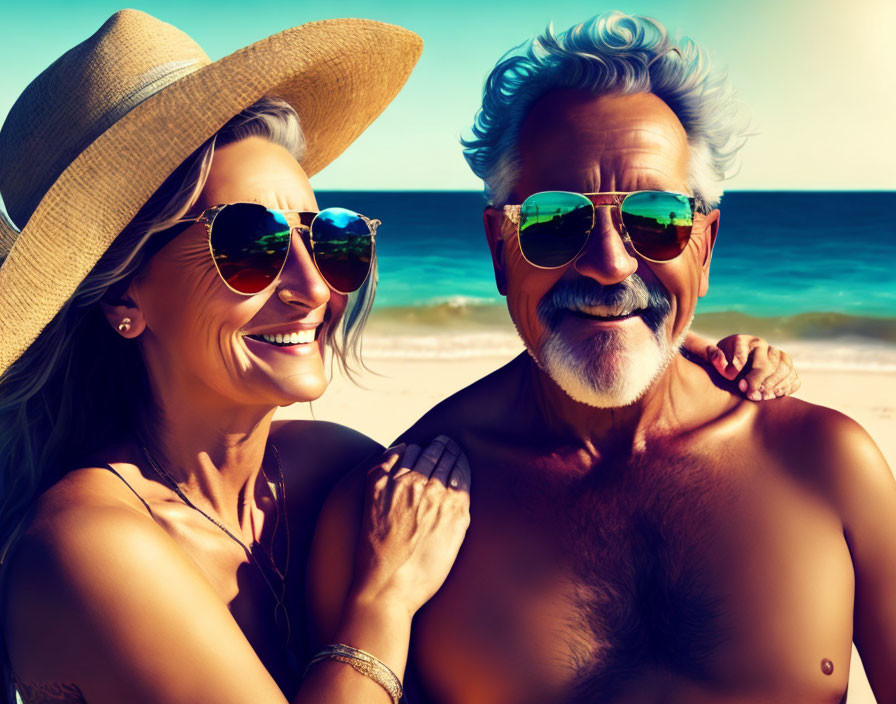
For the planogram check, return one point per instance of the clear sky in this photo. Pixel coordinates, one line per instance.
(819, 76)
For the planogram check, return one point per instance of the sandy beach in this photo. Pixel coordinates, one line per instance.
(388, 402)
(404, 389)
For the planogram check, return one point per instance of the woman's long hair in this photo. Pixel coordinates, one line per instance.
(80, 383)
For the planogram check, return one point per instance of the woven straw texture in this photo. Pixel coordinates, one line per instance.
(95, 134)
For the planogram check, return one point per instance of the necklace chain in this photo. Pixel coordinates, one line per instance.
(280, 498)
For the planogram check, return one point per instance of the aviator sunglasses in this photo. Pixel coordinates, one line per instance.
(250, 243)
(554, 226)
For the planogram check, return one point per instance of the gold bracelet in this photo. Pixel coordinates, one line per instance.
(366, 664)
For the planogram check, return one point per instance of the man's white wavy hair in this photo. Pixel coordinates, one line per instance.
(612, 53)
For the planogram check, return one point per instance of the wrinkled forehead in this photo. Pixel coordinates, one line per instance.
(256, 170)
(572, 140)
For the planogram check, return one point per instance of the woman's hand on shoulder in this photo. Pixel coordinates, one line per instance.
(765, 372)
(99, 596)
(417, 510)
(383, 527)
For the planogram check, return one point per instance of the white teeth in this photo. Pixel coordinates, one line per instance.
(606, 311)
(292, 338)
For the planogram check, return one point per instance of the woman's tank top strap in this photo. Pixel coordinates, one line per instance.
(128, 485)
(14, 692)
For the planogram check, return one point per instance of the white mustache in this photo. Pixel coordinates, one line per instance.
(587, 296)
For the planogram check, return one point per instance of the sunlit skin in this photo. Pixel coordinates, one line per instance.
(566, 149)
(118, 602)
(213, 388)
(214, 395)
(114, 602)
(691, 547)
(195, 328)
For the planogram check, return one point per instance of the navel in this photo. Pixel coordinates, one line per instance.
(827, 667)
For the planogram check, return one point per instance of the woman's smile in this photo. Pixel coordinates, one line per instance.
(298, 341)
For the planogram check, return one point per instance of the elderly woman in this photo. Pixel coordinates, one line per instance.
(171, 286)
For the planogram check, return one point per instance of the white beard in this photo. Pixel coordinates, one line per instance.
(610, 370)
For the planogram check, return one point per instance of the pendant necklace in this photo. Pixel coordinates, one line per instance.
(281, 616)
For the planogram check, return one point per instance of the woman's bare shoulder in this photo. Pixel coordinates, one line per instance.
(87, 515)
(86, 496)
(94, 586)
(82, 497)
(81, 537)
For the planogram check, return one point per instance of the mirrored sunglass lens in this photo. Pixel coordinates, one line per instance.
(658, 223)
(249, 245)
(343, 248)
(554, 227)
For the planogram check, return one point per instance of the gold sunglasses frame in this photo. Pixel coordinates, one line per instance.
(605, 199)
(296, 219)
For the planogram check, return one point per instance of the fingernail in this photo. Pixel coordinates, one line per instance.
(742, 385)
(755, 396)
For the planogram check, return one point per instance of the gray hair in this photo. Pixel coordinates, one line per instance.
(612, 53)
(278, 122)
(80, 383)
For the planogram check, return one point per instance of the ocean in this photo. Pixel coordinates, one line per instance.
(812, 270)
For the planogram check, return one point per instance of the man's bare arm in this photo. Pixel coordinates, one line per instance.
(865, 492)
(330, 568)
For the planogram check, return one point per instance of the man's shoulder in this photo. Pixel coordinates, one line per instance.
(822, 445)
(788, 419)
(475, 407)
(320, 446)
(315, 457)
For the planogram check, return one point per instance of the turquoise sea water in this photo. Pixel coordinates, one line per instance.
(807, 264)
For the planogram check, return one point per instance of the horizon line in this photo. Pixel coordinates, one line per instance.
(733, 190)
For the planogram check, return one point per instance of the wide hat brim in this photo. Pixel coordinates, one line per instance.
(338, 74)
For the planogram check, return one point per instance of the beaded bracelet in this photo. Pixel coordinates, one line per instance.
(364, 663)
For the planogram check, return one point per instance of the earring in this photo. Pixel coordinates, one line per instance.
(125, 325)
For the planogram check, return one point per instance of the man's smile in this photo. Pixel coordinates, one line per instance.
(606, 312)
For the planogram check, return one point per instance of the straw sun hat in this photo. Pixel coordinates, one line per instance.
(92, 137)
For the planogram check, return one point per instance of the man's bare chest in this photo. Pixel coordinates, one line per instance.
(590, 584)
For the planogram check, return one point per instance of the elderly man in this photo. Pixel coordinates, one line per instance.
(639, 533)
